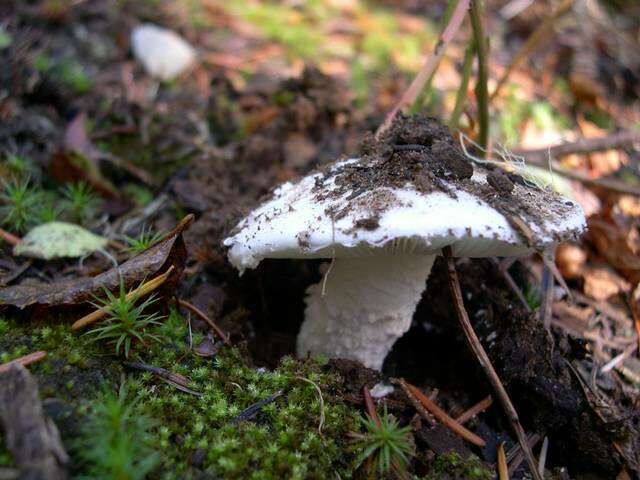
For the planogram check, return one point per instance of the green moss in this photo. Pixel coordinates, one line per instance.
(195, 435)
(451, 465)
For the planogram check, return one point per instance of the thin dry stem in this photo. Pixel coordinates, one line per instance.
(478, 408)
(24, 360)
(320, 402)
(203, 316)
(10, 238)
(441, 415)
(485, 363)
(503, 469)
(369, 405)
(141, 291)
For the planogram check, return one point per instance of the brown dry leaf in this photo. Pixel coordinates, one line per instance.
(601, 283)
(170, 251)
(612, 242)
(76, 140)
(601, 163)
(208, 347)
(571, 260)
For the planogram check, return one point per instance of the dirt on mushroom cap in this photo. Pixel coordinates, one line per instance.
(420, 151)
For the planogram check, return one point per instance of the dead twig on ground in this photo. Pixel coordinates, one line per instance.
(424, 413)
(543, 456)
(174, 379)
(144, 289)
(411, 94)
(441, 415)
(485, 363)
(476, 409)
(482, 93)
(24, 361)
(10, 238)
(252, 410)
(369, 405)
(503, 268)
(539, 34)
(540, 156)
(544, 157)
(515, 454)
(203, 316)
(461, 94)
(503, 469)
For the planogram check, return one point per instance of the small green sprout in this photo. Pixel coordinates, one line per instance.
(18, 204)
(388, 445)
(80, 201)
(144, 240)
(116, 440)
(126, 323)
(532, 297)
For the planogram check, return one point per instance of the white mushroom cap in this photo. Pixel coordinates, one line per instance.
(314, 218)
(163, 53)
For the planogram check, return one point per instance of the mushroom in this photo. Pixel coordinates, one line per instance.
(163, 53)
(382, 219)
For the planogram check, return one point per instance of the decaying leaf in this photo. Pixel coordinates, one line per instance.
(58, 240)
(601, 283)
(170, 251)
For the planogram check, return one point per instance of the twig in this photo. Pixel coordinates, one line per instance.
(540, 156)
(547, 294)
(441, 415)
(633, 304)
(503, 268)
(543, 456)
(10, 238)
(369, 406)
(252, 410)
(174, 379)
(141, 291)
(485, 363)
(503, 469)
(24, 361)
(516, 454)
(461, 95)
(411, 94)
(482, 93)
(415, 402)
(544, 157)
(320, 401)
(478, 408)
(540, 33)
(199, 313)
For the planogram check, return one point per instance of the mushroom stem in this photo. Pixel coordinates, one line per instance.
(368, 304)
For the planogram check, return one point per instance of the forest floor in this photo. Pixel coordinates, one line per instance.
(165, 170)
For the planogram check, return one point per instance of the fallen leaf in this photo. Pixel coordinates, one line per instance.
(170, 251)
(601, 283)
(58, 240)
(79, 159)
(571, 260)
(612, 242)
(208, 347)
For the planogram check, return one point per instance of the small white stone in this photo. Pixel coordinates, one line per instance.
(163, 53)
(381, 390)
